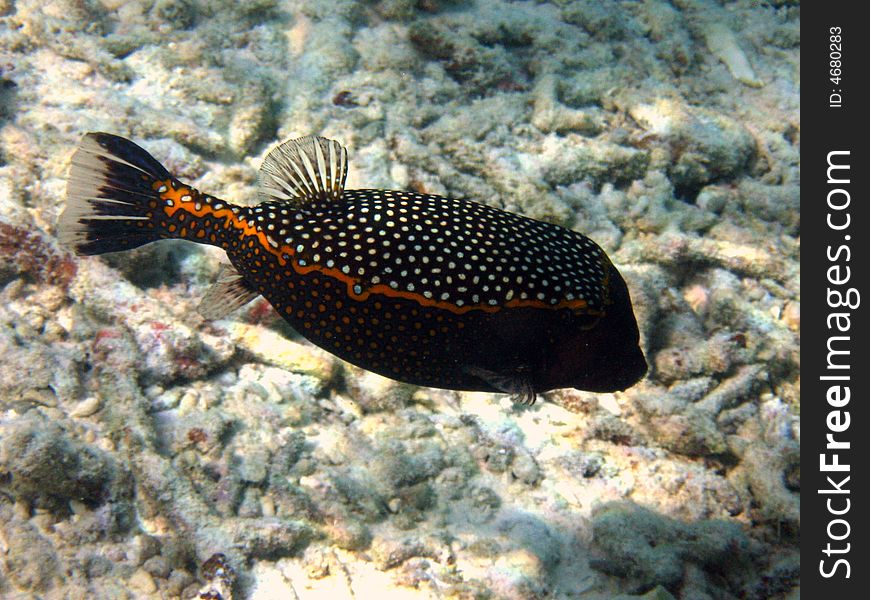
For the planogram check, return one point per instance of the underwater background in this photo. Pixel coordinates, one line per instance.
(148, 453)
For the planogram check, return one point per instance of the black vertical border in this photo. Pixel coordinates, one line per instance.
(825, 129)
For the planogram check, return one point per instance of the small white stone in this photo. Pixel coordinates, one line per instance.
(86, 407)
(142, 581)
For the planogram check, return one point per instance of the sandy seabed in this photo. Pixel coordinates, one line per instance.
(137, 440)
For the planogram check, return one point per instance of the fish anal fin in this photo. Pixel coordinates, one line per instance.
(227, 294)
(304, 171)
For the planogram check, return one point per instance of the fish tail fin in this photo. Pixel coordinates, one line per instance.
(112, 196)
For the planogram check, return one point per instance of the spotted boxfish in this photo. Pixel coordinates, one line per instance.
(424, 289)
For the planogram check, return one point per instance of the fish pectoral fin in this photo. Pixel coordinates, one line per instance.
(228, 293)
(517, 384)
(585, 319)
(303, 171)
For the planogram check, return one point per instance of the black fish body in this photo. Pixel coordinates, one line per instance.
(424, 289)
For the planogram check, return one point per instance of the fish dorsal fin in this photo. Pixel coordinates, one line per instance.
(305, 170)
(228, 293)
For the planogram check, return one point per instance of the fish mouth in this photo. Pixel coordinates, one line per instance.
(619, 374)
(634, 368)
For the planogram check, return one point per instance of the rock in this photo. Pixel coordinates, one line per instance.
(657, 593)
(273, 348)
(708, 146)
(525, 468)
(86, 408)
(376, 393)
(653, 549)
(245, 439)
(722, 42)
(552, 116)
(142, 581)
(158, 566)
(31, 562)
(564, 161)
(45, 462)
